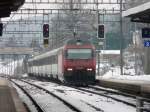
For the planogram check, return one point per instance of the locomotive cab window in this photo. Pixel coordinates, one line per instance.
(79, 54)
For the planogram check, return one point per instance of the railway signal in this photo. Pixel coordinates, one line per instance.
(46, 42)
(101, 31)
(46, 35)
(1, 29)
(46, 30)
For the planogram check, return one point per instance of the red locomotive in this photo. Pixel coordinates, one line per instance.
(73, 63)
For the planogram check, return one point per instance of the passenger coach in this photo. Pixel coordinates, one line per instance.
(73, 63)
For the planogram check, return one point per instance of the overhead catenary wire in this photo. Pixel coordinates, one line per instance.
(34, 3)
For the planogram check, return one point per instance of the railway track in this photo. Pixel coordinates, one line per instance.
(104, 94)
(125, 98)
(37, 105)
(112, 91)
(115, 95)
(117, 92)
(74, 108)
(128, 99)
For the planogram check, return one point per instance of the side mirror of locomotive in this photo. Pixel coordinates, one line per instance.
(65, 54)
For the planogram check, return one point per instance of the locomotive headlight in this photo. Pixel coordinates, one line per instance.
(69, 69)
(89, 69)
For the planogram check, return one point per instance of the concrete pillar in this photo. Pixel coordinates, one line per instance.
(147, 61)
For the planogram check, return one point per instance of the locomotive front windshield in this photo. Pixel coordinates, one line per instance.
(79, 54)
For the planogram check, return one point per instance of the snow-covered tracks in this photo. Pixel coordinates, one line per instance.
(87, 99)
(128, 99)
(84, 101)
(114, 96)
(37, 106)
(44, 100)
(118, 98)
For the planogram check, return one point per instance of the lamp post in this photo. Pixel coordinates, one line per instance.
(121, 38)
(98, 22)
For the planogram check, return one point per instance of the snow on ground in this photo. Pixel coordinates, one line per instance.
(114, 73)
(9, 69)
(46, 101)
(124, 98)
(26, 100)
(85, 101)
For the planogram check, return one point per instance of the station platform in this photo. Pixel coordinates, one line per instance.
(141, 88)
(9, 98)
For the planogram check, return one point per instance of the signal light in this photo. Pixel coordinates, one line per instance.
(101, 31)
(46, 42)
(46, 30)
(1, 29)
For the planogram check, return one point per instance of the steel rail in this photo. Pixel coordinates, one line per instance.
(39, 108)
(113, 92)
(54, 95)
(96, 93)
(104, 95)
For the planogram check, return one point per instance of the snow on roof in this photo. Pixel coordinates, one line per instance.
(110, 51)
(136, 10)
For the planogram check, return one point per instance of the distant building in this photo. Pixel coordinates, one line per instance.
(109, 56)
(138, 11)
(134, 58)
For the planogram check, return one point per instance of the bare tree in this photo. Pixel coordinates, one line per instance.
(73, 23)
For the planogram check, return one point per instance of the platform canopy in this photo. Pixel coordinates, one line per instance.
(6, 6)
(140, 13)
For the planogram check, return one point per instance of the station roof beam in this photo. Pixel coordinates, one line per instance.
(139, 13)
(7, 6)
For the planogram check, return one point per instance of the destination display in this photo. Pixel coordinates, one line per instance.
(145, 32)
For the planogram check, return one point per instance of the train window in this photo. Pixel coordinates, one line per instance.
(44, 61)
(79, 53)
(52, 57)
(33, 63)
(93, 53)
(47, 60)
(56, 59)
